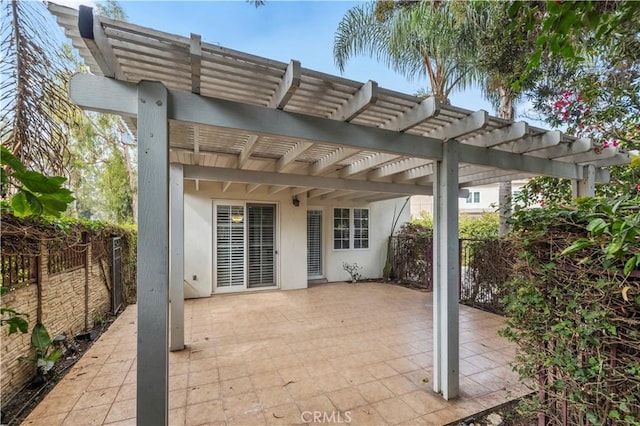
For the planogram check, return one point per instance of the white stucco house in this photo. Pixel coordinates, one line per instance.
(278, 240)
(481, 199)
(254, 173)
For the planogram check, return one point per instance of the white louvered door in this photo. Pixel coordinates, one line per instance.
(229, 248)
(261, 245)
(314, 243)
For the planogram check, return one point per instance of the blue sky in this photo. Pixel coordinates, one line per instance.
(280, 30)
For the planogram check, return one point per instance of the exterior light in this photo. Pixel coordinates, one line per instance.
(237, 217)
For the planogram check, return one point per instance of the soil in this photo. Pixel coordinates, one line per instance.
(18, 408)
(506, 414)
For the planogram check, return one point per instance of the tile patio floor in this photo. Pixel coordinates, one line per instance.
(269, 357)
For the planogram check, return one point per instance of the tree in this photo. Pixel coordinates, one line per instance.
(592, 87)
(35, 109)
(416, 39)
(102, 148)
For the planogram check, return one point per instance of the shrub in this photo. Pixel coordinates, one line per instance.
(574, 309)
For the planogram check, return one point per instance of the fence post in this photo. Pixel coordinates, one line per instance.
(42, 270)
(87, 262)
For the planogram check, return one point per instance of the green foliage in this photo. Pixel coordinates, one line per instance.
(483, 227)
(115, 187)
(571, 31)
(573, 305)
(469, 227)
(15, 320)
(46, 352)
(34, 194)
(424, 220)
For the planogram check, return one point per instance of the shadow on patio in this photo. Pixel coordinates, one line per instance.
(353, 353)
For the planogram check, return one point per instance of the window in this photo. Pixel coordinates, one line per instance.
(350, 230)
(341, 235)
(474, 197)
(360, 228)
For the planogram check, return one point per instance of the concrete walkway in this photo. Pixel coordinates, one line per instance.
(334, 353)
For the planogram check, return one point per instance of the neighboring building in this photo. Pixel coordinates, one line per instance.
(237, 241)
(481, 199)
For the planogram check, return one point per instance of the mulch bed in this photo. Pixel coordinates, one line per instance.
(24, 402)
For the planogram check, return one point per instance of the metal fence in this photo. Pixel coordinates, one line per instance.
(485, 264)
(116, 274)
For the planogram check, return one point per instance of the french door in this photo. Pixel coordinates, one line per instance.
(245, 246)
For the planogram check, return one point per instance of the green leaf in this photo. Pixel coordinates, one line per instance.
(576, 246)
(514, 8)
(8, 159)
(40, 338)
(597, 226)
(35, 206)
(632, 263)
(20, 205)
(37, 182)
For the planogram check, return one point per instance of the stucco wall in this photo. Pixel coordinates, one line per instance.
(372, 259)
(291, 235)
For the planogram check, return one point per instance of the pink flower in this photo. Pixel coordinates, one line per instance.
(605, 144)
(638, 187)
(615, 143)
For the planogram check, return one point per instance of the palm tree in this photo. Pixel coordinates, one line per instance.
(35, 108)
(416, 39)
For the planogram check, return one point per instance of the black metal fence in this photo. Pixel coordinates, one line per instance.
(485, 264)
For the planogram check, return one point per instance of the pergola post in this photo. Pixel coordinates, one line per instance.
(153, 255)
(446, 274)
(587, 186)
(176, 265)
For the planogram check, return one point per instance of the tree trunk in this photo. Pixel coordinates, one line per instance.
(133, 182)
(504, 190)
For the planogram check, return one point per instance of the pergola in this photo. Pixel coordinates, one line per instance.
(204, 112)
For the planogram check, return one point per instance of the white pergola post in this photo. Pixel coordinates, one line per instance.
(153, 255)
(587, 186)
(176, 265)
(446, 274)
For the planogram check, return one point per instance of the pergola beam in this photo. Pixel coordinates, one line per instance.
(287, 86)
(290, 156)
(424, 110)
(330, 160)
(564, 149)
(298, 191)
(196, 146)
(251, 187)
(317, 193)
(500, 136)
(534, 143)
(249, 147)
(226, 186)
(366, 96)
(416, 173)
(275, 189)
(462, 127)
(118, 97)
(399, 167)
(195, 57)
(286, 179)
(366, 164)
(96, 41)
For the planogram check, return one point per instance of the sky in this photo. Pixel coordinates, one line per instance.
(279, 30)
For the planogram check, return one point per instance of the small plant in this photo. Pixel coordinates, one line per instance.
(352, 269)
(47, 352)
(15, 320)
